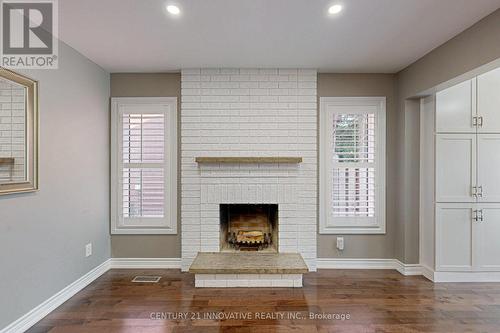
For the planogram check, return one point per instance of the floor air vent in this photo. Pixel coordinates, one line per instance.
(146, 279)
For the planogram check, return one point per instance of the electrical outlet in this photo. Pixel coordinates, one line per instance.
(340, 243)
(88, 250)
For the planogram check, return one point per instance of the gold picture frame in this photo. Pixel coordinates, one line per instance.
(31, 135)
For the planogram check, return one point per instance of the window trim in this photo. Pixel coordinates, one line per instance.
(326, 226)
(170, 226)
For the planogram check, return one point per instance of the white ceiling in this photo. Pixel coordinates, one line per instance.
(367, 36)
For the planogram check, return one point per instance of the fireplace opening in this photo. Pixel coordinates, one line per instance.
(249, 227)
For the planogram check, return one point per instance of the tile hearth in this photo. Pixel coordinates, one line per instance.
(243, 269)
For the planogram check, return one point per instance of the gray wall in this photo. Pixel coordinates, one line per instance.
(148, 85)
(361, 246)
(476, 46)
(366, 246)
(43, 234)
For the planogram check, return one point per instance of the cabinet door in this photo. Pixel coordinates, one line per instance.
(455, 108)
(455, 167)
(487, 240)
(488, 101)
(488, 167)
(454, 236)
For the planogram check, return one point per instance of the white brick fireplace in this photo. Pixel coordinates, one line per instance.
(250, 113)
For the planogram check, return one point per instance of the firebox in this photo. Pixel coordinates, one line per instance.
(249, 227)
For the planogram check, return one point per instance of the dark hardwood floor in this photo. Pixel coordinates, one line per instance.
(375, 300)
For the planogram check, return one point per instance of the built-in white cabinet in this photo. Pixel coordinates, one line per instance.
(487, 231)
(457, 108)
(488, 168)
(472, 106)
(467, 237)
(467, 167)
(455, 167)
(467, 176)
(488, 102)
(454, 235)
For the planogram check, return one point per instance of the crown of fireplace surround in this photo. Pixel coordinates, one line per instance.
(249, 112)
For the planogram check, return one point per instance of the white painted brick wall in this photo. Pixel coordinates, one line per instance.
(12, 133)
(249, 112)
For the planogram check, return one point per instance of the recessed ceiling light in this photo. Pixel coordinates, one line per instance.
(174, 10)
(335, 9)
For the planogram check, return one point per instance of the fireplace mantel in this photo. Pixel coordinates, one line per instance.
(249, 159)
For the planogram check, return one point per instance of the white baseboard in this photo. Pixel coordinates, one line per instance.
(408, 269)
(341, 263)
(427, 272)
(35, 315)
(145, 263)
(466, 277)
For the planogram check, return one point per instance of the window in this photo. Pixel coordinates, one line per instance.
(352, 165)
(144, 167)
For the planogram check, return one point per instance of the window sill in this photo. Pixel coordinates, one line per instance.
(157, 231)
(352, 231)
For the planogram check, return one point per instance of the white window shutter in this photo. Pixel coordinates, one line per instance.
(353, 192)
(144, 165)
(352, 162)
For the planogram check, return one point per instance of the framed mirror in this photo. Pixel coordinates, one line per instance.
(18, 133)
